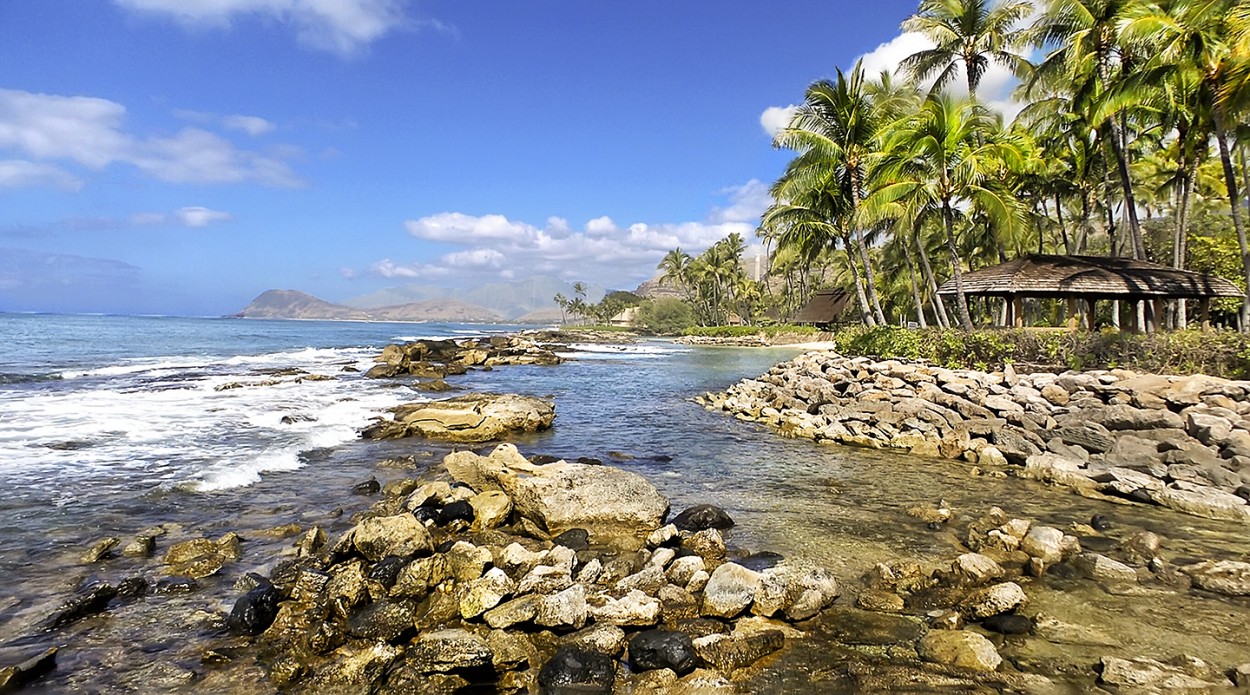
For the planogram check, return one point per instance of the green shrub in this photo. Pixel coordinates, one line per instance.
(666, 316)
(1218, 353)
(770, 331)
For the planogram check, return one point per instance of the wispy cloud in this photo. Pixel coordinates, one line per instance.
(602, 250)
(90, 132)
(252, 125)
(15, 173)
(191, 216)
(339, 26)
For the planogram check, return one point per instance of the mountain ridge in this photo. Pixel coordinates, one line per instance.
(293, 304)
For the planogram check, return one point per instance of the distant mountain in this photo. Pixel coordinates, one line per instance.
(509, 300)
(656, 288)
(290, 304)
(543, 316)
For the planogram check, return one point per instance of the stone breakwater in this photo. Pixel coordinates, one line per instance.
(1179, 442)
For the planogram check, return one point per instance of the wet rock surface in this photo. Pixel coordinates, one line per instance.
(475, 417)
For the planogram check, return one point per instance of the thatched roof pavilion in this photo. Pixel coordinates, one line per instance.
(1090, 278)
(825, 307)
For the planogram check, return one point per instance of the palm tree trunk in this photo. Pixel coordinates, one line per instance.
(938, 305)
(915, 288)
(865, 315)
(1234, 200)
(1130, 201)
(965, 319)
(1063, 231)
(869, 276)
(1181, 240)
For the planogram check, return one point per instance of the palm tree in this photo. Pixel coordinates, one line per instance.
(952, 156)
(1193, 37)
(837, 125)
(676, 269)
(967, 33)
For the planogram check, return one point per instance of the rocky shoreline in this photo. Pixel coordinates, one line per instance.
(497, 572)
(1178, 442)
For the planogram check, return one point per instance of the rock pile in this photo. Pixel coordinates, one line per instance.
(473, 417)
(436, 359)
(1180, 442)
(462, 583)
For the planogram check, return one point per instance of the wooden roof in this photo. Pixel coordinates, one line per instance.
(825, 306)
(1090, 277)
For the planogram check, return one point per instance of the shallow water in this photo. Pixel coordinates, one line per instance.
(153, 440)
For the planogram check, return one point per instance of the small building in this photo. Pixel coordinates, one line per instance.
(1090, 279)
(825, 308)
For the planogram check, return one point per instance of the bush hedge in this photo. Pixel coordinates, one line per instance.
(1217, 353)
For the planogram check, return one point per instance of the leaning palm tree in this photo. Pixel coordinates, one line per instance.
(953, 156)
(675, 268)
(970, 34)
(836, 130)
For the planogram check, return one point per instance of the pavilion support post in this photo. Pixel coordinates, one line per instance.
(1017, 311)
(1204, 310)
(1090, 317)
(1157, 322)
(1073, 321)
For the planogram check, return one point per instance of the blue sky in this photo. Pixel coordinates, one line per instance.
(182, 156)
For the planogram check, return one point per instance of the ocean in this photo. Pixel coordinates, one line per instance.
(111, 425)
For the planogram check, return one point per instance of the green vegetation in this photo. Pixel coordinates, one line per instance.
(1222, 353)
(770, 331)
(666, 316)
(1133, 142)
(602, 312)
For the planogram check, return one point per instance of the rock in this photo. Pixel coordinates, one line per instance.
(474, 417)
(466, 561)
(417, 578)
(518, 610)
(573, 539)
(653, 649)
(1088, 435)
(446, 650)
(430, 494)
(707, 544)
(1148, 673)
(817, 589)
(993, 600)
(490, 509)
(647, 580)
(662, 556)
(959, 648)
(663, 536)
(730, 652)
(545, 579)
(975, 568)
(99, 550)
(383, 621)
(1044, 543)
(561, 496)
(729, 591)
(367, 487)
(400, 535)
(880, 601)
(1209, 429)
(481, 595)
(15, 677)
(89, 600)
(681, 569)
(201, 557)
(634, 609)
(1227, 577)
(1008, 624)
(1241, 675)
(142, 546)
(702, 516)
(566, 609)
(1202, 501)
(1014, 445)
(457, 510)
(578, 670)
(1104, 569)
(598, 638)
(1055, 394)
(254, 611)
(510, 650)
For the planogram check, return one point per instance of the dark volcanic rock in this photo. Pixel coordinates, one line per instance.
(702, 516)
(460, 510)
(662, 649)
(254, 611)
(88, 600)
(574, 670)
(14, 677)
(573, 539)
(1008, 624)
(175, 585)
(386, 570)
(368, 487)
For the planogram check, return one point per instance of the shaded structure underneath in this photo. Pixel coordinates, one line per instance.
(1091, 278)
(826, 307)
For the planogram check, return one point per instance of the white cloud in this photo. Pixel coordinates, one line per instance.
(341, 26)
(190, 216)
(994, 90)
(200, 216)
(252, 125)
(18, 172)
(775, 118)
(495, 246)
(89, 132)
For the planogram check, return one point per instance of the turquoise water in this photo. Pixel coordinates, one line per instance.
(110, 425)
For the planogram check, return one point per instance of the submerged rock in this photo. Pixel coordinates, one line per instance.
(255, 611)
(959, 648)
(17, 676)
(89, 600)
(702, 516)
(578, 670)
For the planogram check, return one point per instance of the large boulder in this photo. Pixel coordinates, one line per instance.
(473, 417)
(560, 496)
(959, 648)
